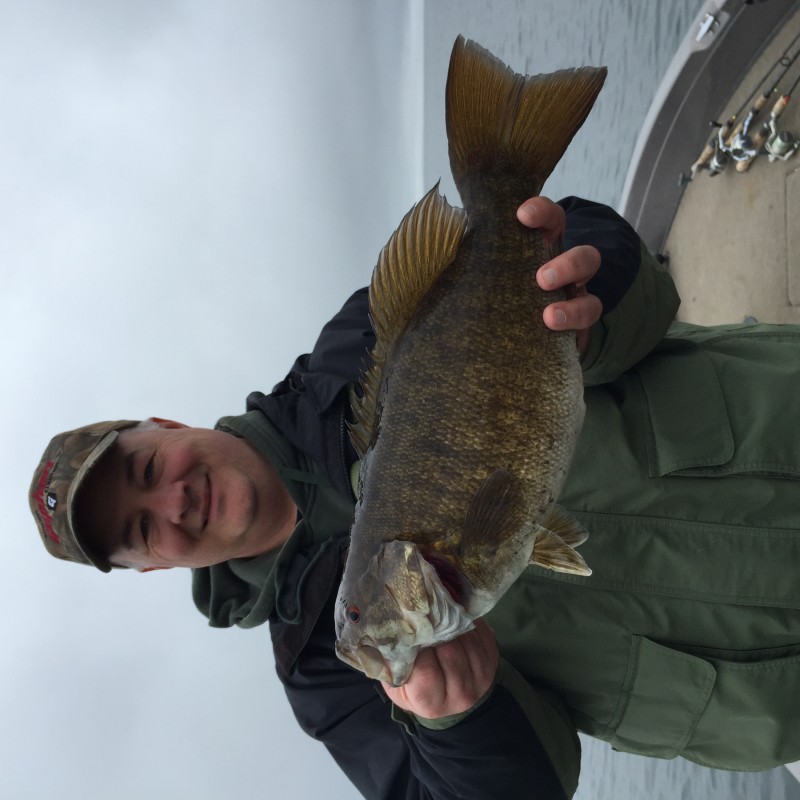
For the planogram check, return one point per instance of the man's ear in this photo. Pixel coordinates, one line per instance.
(167, 423)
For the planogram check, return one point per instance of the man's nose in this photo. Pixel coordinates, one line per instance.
(171, 501)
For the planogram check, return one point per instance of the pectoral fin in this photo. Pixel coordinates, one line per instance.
(494, 514)
(556, 541)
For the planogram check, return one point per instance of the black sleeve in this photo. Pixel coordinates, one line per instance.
(309, 405)
(492, 753)
(340, 353)
(618, 243)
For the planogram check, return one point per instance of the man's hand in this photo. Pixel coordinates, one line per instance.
(575, 266)
(451, 677)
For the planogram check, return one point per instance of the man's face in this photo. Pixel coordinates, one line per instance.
(178, 496)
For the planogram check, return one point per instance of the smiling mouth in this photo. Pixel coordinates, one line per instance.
(206, 509)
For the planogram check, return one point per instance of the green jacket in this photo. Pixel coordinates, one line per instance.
(685, 640)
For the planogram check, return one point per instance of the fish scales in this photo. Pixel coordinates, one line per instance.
(472, 408)
(456, 393)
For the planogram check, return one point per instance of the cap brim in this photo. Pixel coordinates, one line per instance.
(99, 451)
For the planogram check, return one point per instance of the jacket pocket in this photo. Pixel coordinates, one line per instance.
(724, 709)
(717, 414)
(664, 696)
(689, 430)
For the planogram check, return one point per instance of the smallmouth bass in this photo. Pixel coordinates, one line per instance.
(471, 408)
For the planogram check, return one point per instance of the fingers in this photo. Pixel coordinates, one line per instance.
(544, 214)
(469, 665)
(575, 266)
(451, 677)
(425, 691)
(572, 268)
(576, 314)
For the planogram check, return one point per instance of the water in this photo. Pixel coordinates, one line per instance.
(636, 41)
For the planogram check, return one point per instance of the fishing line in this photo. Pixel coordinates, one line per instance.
(782, 60)
(793, 87)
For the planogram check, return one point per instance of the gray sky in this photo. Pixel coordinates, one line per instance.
(188, 190)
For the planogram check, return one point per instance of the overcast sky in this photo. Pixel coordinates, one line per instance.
(188, 190)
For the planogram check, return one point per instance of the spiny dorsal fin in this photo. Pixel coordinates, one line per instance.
(555, 544)
(495, 513)
(495, 116)
(421, 248)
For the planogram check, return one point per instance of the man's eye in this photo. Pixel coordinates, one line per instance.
(148, 472)
(144, 526)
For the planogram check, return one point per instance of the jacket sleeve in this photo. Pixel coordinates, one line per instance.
(494, 752)
(310, 404)
(638, 295)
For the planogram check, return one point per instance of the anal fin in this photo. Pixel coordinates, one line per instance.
(555, 544)
(566, 527)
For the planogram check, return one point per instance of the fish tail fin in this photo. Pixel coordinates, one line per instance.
(508, 130)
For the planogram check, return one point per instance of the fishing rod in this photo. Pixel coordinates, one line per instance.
(765, 96)
(732, 140)
(780, 145)
(740, 146)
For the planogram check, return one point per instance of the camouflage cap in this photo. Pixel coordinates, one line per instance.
(65, 464)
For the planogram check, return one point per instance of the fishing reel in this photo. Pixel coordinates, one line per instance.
(718, 161)
(782, 145)
(742, 147)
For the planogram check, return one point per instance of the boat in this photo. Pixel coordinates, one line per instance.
(724, 212)
(726, 222)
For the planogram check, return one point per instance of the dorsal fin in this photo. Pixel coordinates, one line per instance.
(422, 247)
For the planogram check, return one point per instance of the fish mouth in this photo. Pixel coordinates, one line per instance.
(421, 606)
(368, 659)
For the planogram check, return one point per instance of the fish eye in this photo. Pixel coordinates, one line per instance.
(353, 613)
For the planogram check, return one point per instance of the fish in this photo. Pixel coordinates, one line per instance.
(469, 411)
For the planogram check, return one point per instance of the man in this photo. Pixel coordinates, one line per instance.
(686, 639)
